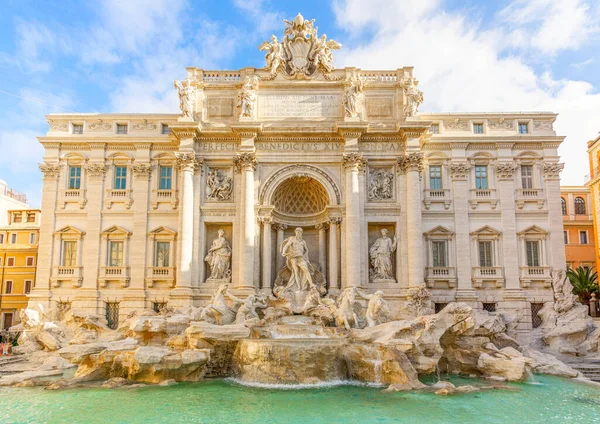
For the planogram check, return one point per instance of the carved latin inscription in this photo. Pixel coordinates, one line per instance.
(299, 106)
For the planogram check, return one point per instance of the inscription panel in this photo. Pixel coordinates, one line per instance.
(380, 107)
(299, 106)
(220, 107)
(285, 146)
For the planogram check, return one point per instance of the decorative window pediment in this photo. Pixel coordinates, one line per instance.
(116, 232)
(162, 232)
(534, 230)
(486, 231)
(70, 232)
(439, 231)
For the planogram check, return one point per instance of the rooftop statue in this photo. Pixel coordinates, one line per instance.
(187, 97)
(302, 54)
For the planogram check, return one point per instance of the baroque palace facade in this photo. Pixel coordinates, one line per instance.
(136, 206)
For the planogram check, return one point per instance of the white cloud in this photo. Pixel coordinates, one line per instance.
(263, 19)
(462, 67)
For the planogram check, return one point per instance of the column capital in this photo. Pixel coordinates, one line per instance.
(268, 220)
(552, 170)
(141, 171)
(245, 161)
(188, 161)
(50, 170)
(279, 227)
(506, 170)
(459, 170)
(410, 162)
(354, 161)
(335, 220)
(322, 226)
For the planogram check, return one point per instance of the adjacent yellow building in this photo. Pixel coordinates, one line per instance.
(593, 182)
(18, 261)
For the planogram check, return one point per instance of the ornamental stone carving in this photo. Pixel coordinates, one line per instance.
(50, 170)
(99, 125)
(141, 170)
(353, 97)
(144, 125)
(459, 171)
(552, 170)
(187, 97)
(414, 97)
(95, 170)
(410, 162)
(247, 96)
(542, 125)
(57, 126)
(302, 54)
(456, 124)
(245, 160)
(506, 171)
(381, 184)
(219, 184)
(354, 160)
(188, 161)
(501, 123)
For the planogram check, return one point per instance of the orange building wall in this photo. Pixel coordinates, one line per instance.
(577, 253)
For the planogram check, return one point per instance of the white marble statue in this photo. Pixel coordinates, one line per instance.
(345, 313)
(219, 258)
(247, 97)
(295, 251)
(247, 310)
(377, 309)
(414, 98)
(322, 52)
(218, 312)
(352, 98)
(220, 185)
(275, 54)
(381, 256)
(187, 97)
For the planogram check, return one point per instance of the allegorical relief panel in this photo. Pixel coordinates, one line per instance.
(380, 107)
(380, 184)
(299, 106)
(219, 184)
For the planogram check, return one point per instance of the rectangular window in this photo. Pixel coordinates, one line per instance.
(115, 256)
(166, 178)
(1, 238)
(10, 261)
(13, 238)
(31, 238)
(121, 128)
(485, 254)
(31, 217)
(527, 176)
(435, 177)
(29, 261)
(583, 237)
(162, 253)
(69, 253)
(77, 129)
(120, 177)
(438, 250)
(523, 128)
(27, 288)
(74, 177)
(17, 217)
(8, 286)
(8, 321)
(434, 129)
(166, 129)
(481, 177)
(477, 128)
(533, 253)
(566, 235)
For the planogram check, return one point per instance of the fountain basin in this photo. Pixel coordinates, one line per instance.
(290, 361)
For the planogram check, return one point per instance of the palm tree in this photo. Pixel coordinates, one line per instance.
(584, 281)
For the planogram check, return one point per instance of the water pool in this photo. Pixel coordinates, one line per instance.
(545, 400)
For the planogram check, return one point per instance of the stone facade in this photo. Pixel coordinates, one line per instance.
(341, 153)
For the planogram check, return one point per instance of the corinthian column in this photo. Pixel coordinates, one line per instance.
(411, 164)
(267, 254)
(333, 252)
(354, 164)
(245, 164)
(187, 164)
(322, 247)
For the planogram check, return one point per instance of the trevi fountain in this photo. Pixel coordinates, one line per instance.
(307, 345)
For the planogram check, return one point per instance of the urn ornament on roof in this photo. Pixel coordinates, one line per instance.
(302, 54)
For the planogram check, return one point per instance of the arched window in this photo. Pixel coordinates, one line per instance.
(579, 206)
(563, 204)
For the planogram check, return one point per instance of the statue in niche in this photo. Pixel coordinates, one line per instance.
(414, 97)
(352, 98)
(220, 185)
(381, 257)
(247, 97)
(219, 258)
(187, 97)
(275, 54)
(378, 309)
(380, 185)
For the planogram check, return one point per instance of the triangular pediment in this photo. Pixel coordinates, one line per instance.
(486, 231)
(163, 231)
(439, 230)
(115, 230)
(533, 230)
(70, 230)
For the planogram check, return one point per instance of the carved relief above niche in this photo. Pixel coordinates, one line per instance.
(219, 184)
(380, 185)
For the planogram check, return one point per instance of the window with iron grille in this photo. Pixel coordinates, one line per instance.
(579, 206)
(439, 306)
(435, 177)
(112, 314)
(527, 176)
(490, 307)
(158, 307)
(536, 321)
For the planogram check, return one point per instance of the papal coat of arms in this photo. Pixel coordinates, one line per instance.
(302, 54)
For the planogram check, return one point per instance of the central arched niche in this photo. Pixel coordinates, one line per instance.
(300, 196)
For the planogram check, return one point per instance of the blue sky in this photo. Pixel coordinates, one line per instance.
(123, 55)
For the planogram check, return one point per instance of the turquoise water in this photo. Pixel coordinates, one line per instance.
(548, 400)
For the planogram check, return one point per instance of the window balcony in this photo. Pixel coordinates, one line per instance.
(530, 195)
(72, 196)
(434, 274)
(118, 196)
(119, 274)
(492, 274)
(160, 273)
(437, 196)
(483, 196)
(72, 274)
(536, 273)
(165, 196)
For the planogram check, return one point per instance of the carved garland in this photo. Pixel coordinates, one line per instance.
(141, 170)
(57, 126)
(99, 125)
(506, 171)
(95, 169)
(459, 171)
(552, 170)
